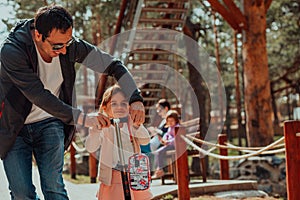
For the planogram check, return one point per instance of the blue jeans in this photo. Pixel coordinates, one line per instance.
(45, 140)
(161, 155)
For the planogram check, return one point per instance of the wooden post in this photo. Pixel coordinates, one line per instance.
(203, 168)
(292, 148)
(72, 162)
(93, 167)
(224, 166)
(182, 168)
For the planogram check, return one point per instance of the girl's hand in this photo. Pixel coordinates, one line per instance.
(164, 142)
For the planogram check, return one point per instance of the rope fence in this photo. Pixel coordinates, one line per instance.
(78, 148)
(230, 146)
(274, 151)
(247, 155)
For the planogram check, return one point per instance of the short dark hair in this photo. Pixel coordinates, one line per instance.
(164, 103)
(52, 17)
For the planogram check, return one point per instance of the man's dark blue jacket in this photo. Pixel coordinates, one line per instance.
(20, 86)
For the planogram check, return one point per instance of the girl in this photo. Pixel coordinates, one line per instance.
(172, 121)
(115, 105)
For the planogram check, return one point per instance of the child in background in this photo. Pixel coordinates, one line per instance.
(168, 142)
(115, 104)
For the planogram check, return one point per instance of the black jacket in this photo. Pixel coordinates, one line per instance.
(20, 85)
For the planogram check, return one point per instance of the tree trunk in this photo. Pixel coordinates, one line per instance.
(199, 88)
(195, 78)
(257, 84)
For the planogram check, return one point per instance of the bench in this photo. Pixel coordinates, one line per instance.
(192, 127)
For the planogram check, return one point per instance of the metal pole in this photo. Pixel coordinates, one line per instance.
(124, 174)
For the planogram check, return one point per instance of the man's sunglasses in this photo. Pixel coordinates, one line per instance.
(59, 46)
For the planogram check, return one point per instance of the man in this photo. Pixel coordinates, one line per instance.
(162, 107)
(37, 76)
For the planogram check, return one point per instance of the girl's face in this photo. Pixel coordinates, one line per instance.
(117, 107)
(171, 121)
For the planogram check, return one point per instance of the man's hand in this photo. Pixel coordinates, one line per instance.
(103, 120)
(137, 113)
(95, 120)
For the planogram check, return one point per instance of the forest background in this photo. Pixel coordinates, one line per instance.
(95, 21)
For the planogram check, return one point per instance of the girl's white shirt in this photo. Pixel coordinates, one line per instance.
(106, 139)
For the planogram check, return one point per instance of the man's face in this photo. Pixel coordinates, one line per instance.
(55, 44)
(161, 111)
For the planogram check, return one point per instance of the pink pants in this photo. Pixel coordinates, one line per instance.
(115, 190)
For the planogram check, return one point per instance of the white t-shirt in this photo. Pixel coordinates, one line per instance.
(51, 76)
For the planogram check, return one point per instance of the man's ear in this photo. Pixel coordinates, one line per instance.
(38, 37)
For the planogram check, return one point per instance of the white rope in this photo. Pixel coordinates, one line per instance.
(251, 148)
(230, 157)
(211, 144)
(265, 152)
(225, 146)
(77, 148)
(211, 149)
